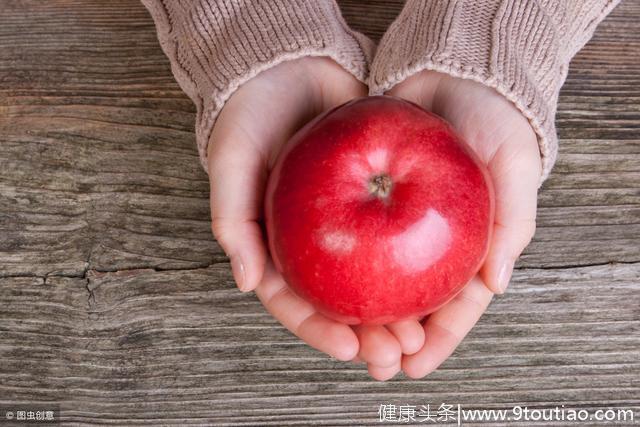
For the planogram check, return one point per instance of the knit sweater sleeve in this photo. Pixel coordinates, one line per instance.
(520, 48)
(214, 46)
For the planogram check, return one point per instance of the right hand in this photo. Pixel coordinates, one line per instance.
(249, 133)
(506, 143)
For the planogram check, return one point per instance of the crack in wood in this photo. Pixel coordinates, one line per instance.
(88, 273)
(576, 266)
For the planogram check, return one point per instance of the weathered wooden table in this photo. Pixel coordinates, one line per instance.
(117, 304)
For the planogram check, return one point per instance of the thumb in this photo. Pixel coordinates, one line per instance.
(515, 170)
(254, 123)
(237, 173)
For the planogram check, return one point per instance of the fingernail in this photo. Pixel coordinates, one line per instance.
(504, 275)
(238, 272)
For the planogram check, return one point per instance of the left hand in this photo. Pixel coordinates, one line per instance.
(505, 141)
(249, 133)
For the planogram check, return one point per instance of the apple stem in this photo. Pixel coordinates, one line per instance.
(380, 186)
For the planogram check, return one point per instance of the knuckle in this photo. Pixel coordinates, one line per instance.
(530, 229)
(219, 228)
(526, 230)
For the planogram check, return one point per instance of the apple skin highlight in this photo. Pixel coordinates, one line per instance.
(377, 211)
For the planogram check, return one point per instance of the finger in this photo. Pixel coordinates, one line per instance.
(241, 145)
(515, 170)
(409, 333)
(245, 142)
(357, 360)
(445, 329)
(377, 345)
(383, 374)
(237, 177)
(418, 88)
(298, 316)
(336, 86)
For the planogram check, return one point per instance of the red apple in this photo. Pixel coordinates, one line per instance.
(377, 211)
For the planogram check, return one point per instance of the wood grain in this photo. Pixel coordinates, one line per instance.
(185, 346)
(116, 302)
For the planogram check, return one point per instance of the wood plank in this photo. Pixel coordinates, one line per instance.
(118, 304)
(97, 146)
(185, 345)
(60, 99)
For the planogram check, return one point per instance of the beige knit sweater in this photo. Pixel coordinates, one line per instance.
(521, 48)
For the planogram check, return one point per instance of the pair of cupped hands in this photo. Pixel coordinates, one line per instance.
(266, 111)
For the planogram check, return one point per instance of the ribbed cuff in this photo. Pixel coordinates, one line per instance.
(521, 49)
(217, 45)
